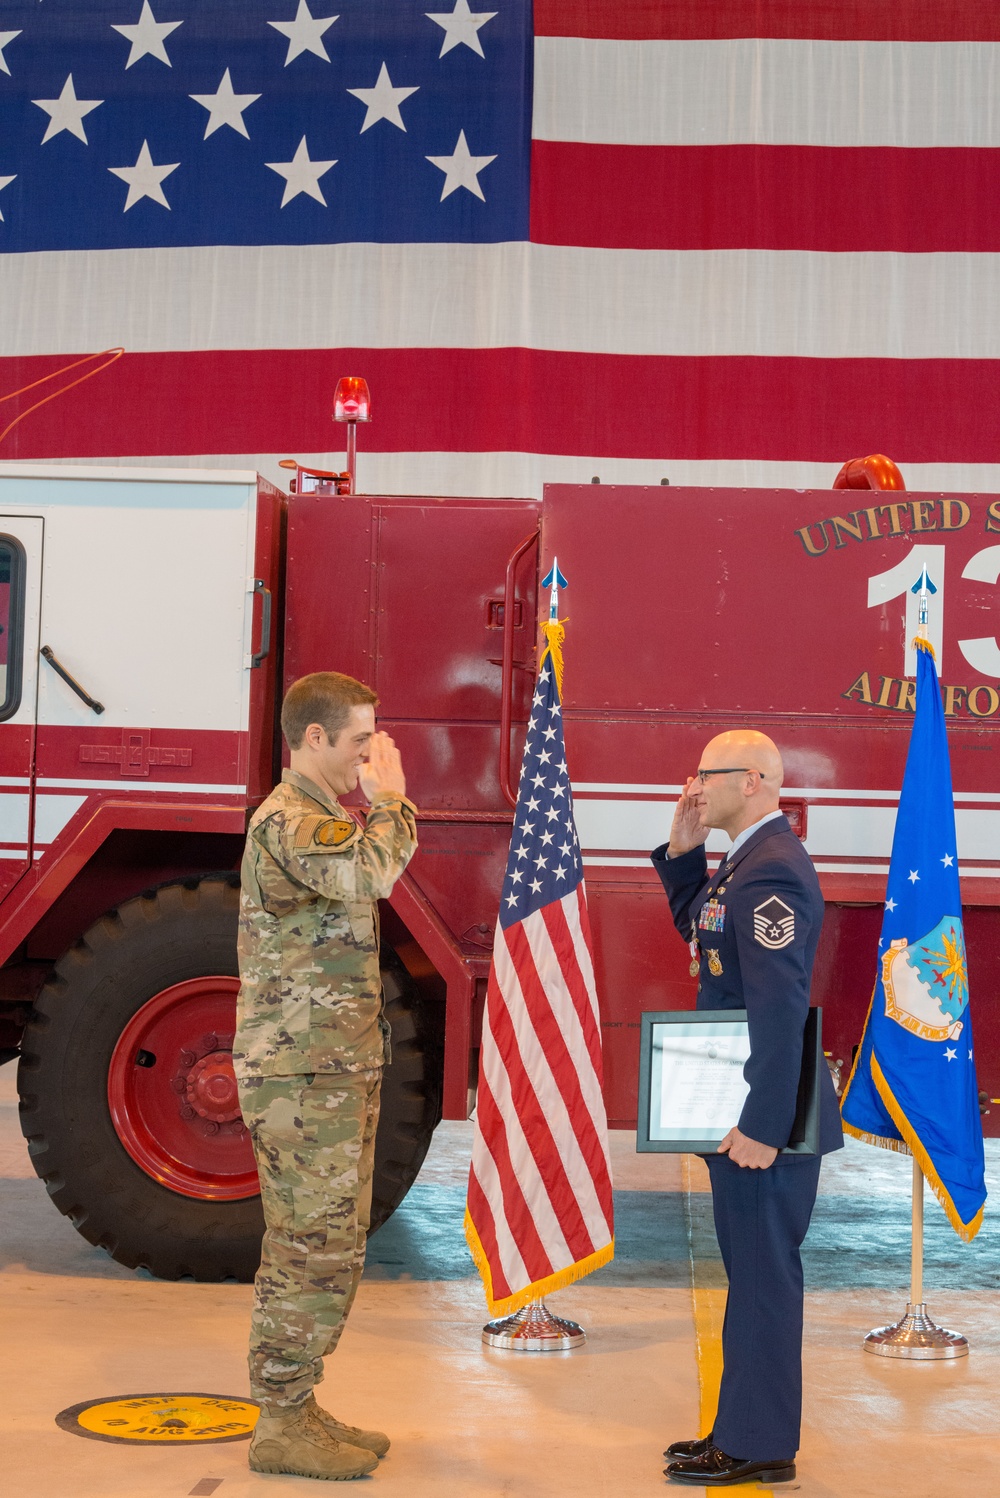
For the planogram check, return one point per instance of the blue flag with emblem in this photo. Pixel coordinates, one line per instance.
(913, 1086)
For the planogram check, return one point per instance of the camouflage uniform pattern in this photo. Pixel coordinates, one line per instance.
(310, 1043)
(314, 1139)
(310, 991)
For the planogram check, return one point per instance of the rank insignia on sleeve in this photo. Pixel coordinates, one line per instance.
(774, 924)
(334, 832)
(714, 963)
(712, 916)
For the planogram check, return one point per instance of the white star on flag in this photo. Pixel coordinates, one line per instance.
(5, 37)
(225, 107)
(383, 101)
(305, 33)
(913, 876)
(147, 36)
(301, 174)
(5, 182)
(949, 1054)
(890, 904)
(461, 26)
(947, 860)
(461, 169)
(144, 179)
(66, 112)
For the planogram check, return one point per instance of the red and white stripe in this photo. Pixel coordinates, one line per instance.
(764, 238)
(540, 1197)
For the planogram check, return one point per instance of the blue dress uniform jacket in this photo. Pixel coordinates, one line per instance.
(757, 924)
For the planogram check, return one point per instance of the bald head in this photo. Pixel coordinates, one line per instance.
(746, 747)
(743, 774)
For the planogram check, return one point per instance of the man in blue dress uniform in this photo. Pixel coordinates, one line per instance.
(755, 926)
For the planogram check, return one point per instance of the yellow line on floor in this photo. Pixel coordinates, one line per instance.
(708, 1305)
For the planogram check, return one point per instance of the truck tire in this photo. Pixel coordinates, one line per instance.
(128, 1098)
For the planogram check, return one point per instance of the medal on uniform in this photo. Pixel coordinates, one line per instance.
(714, 963)
(695, 950)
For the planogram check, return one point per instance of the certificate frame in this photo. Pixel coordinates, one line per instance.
(804, 1138)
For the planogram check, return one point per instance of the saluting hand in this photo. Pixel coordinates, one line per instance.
(383, 772)
(747, 1152)
(686, 830)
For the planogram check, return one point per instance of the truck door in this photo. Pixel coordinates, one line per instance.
(20, 587)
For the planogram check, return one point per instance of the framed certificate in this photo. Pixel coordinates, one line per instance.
(691, 1084)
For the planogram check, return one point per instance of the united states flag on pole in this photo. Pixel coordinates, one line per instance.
(540, 1212)
(771, 228)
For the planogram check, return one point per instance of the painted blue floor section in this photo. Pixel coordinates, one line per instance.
(855, 1241)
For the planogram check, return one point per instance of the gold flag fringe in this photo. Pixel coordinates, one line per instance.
(909, 1144)
(965, 1230)
(555, 634)
(508, 1304)
(921, 643)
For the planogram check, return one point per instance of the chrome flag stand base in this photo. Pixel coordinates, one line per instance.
(916, 1336)
(534, 1329)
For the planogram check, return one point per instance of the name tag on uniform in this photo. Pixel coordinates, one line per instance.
(712, 917)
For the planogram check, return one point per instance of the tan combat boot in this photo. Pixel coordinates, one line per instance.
(295, 1441)
(368, 1440)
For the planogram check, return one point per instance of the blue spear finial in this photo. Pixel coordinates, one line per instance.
(924, 587)
(554, 579)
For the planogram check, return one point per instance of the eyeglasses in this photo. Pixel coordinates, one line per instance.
(704, 775)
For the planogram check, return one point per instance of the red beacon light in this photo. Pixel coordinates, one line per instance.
(351, 400)
(352, 403)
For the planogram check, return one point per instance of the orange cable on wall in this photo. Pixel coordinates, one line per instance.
(109, 355)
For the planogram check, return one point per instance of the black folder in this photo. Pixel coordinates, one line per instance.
(804, 1137)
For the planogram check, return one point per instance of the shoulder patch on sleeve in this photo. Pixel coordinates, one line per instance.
(336, 831)
(320, 831)
(774, 924)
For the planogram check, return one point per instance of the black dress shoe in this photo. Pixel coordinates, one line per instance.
(687, 1448)
(714, 1469)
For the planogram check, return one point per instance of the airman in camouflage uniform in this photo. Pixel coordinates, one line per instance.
(310, 1044)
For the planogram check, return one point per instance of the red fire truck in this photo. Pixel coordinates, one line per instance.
(150, 622)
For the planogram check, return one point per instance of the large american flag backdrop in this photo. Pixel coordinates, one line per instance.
(718, 241)
(540, 1213)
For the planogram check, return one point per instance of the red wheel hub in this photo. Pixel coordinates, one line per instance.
(172, 1092)
(211, 1088)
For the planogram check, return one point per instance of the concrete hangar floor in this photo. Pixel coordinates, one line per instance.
(469, 1422)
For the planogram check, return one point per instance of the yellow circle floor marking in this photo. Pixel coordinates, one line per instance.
(162, 1419)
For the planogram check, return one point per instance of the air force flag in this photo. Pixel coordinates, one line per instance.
(914, 1081)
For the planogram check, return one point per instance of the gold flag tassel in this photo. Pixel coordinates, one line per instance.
(555, 633)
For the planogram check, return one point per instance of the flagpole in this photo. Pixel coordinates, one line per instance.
(917, 1237)
(916, 1335)
(534, 1328)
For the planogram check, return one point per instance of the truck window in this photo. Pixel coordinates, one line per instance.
(11, 624)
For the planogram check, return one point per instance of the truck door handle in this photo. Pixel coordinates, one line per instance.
(507, 666)
(71, 682)
(261, 655)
